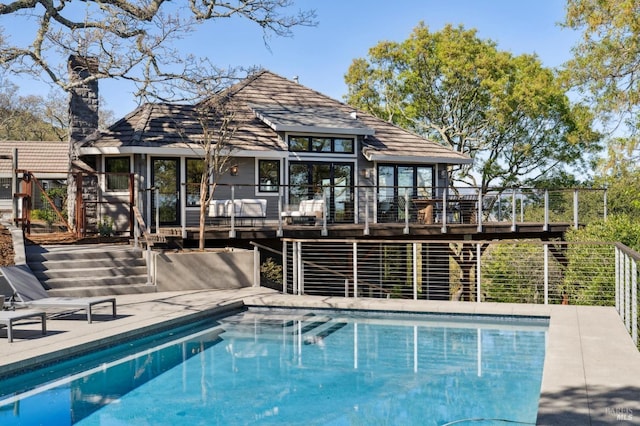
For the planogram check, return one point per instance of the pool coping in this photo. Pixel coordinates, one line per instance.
(591, 370)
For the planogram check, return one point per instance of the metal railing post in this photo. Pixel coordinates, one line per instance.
(627, 292)
(478, 274)
(15, 186)
(513, 210)
(634, 301)
(284, 267)
(575, 208)
(294, 267)
(157, 207)
(232, 231)
(366, 211)
(617, 254)
(546, 273)
(444, 211)
(355, 270)
(324, 231)
(406, 211)
(256, 266)
(480, 205)
(149, 280)
(546, 210)
(415, 271)
(279, 232)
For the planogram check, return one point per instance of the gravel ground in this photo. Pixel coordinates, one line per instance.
(6, 247)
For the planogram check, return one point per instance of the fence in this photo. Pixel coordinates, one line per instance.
(601, 274)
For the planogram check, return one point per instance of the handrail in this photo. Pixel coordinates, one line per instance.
(139, 225)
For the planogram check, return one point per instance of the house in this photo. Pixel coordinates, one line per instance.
(290, 144)
(47, 160)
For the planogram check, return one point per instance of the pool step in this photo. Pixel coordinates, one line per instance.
(89, 270)
(312, 328)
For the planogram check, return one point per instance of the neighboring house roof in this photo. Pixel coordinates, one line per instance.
(264, 105)
(44, 159)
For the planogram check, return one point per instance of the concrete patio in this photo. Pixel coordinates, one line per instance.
(591, 371)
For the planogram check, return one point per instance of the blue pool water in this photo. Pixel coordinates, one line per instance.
(270, 366)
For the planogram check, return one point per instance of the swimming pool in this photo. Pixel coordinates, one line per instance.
(268, 366)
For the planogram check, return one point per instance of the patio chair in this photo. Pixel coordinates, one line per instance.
(28, 291)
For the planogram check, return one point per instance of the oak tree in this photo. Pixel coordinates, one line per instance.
(509, 113)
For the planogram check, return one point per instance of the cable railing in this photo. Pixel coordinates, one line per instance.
(531, 271)
(370, 206)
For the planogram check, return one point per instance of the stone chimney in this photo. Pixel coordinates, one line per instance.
(83, 122)
(83, 105)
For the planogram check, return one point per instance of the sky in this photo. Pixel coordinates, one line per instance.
(346, 29)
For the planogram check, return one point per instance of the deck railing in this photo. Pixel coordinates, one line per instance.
(367, 206)
(538, 272)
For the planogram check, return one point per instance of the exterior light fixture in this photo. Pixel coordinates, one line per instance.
(234, 170)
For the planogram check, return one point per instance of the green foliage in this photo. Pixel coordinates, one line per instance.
(271, 273)
(105, 227)
(507, 112)
(46, 215)
(617, 228)
(607, 58)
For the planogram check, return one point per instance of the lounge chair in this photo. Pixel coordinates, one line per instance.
(28, 291)
(8, 319)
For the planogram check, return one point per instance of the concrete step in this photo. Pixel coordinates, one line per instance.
(83, 273)
(93, 281)
(103, 291)
(75, 270)
(60, 253)
(86, 264)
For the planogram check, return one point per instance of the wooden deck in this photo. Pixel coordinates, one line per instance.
(224, 235)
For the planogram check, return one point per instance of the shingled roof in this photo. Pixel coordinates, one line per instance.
(41, 157)
(264, 104)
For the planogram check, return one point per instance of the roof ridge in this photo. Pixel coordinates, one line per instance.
(141, 123)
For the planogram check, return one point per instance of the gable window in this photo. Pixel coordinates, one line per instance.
(343, 145)
(117, 169)
(321, 144)
(269, 175)
(195, 168)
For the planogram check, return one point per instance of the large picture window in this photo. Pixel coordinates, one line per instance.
(269, 175)
(321, 144)
(117, 169)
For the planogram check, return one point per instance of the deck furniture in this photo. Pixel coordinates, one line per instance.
(308, 210)
(242, 209)
(9, 318)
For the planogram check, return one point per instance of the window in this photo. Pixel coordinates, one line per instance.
(117, 169)
(343, 145)
(297, 143)
(195, 168)
(269, 175)
(321, 144)
(395, 180)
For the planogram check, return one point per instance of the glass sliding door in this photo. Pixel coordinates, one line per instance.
(315, 180)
